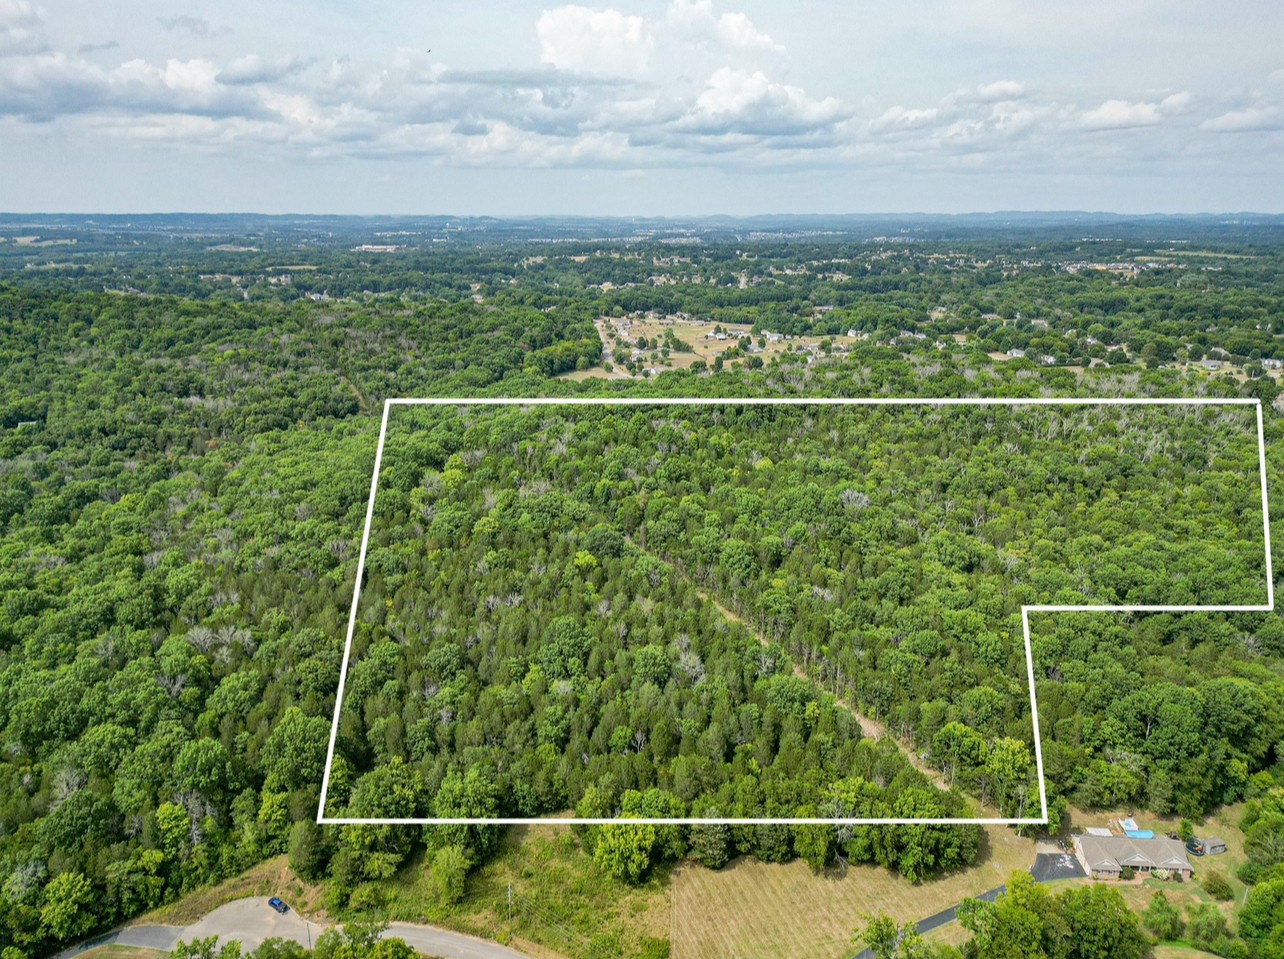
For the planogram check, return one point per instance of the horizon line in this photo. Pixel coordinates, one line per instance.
(876, 214)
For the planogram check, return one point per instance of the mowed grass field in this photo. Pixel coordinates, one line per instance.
(122, 952)
(755, 910)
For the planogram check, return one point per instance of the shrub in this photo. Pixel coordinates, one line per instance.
(367, 897)
(1216, 885)
(1162, 918)
(449, 872)
(1249, 873)
(1205, 924)
(1127, 872)
(309, 852)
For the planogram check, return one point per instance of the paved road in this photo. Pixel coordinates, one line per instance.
(251, 921)
(1047, 867)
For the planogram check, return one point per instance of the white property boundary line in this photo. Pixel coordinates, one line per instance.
(1041, 820)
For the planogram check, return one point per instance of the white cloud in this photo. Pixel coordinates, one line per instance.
(900, 118)
(737, 101)
(581, 40)
(1127, 115)
(1000, 90)
(732, 30)
(21, 28)
(1247, 120)
(188, 76)
(254, 69)
(1121, 115)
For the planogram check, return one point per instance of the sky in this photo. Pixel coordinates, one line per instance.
(641, 107)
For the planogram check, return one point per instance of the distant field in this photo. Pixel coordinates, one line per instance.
(756, 910)
(698, 336)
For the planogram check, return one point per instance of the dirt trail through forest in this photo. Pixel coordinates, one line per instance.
(869, 726)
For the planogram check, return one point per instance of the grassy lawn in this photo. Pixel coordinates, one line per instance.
(271, 878)
(752, 909)
(563, 905)
(950, 934)
(1182, 952)
(122, 952)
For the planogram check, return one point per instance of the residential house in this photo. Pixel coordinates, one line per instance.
(1105, 857)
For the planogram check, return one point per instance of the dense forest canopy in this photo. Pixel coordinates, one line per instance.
(188, 421)
(536, 598)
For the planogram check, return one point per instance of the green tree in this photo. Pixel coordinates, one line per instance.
(624, 851)
(886, 940)
(813, 843)
(1205, 924)
(1263, 914)
(1162, 918)
(1101, 926)
(1264, 840)
(276, 948)
(207, 948)
(449, 871)
(1016, 924)
(68, 909)
(711, 844)
(294, 754)
(309, 849)
(175, 829)
(472, 795)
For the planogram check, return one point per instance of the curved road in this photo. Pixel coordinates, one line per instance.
(251, 921)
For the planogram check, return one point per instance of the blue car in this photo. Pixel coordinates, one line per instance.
(278, 905)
